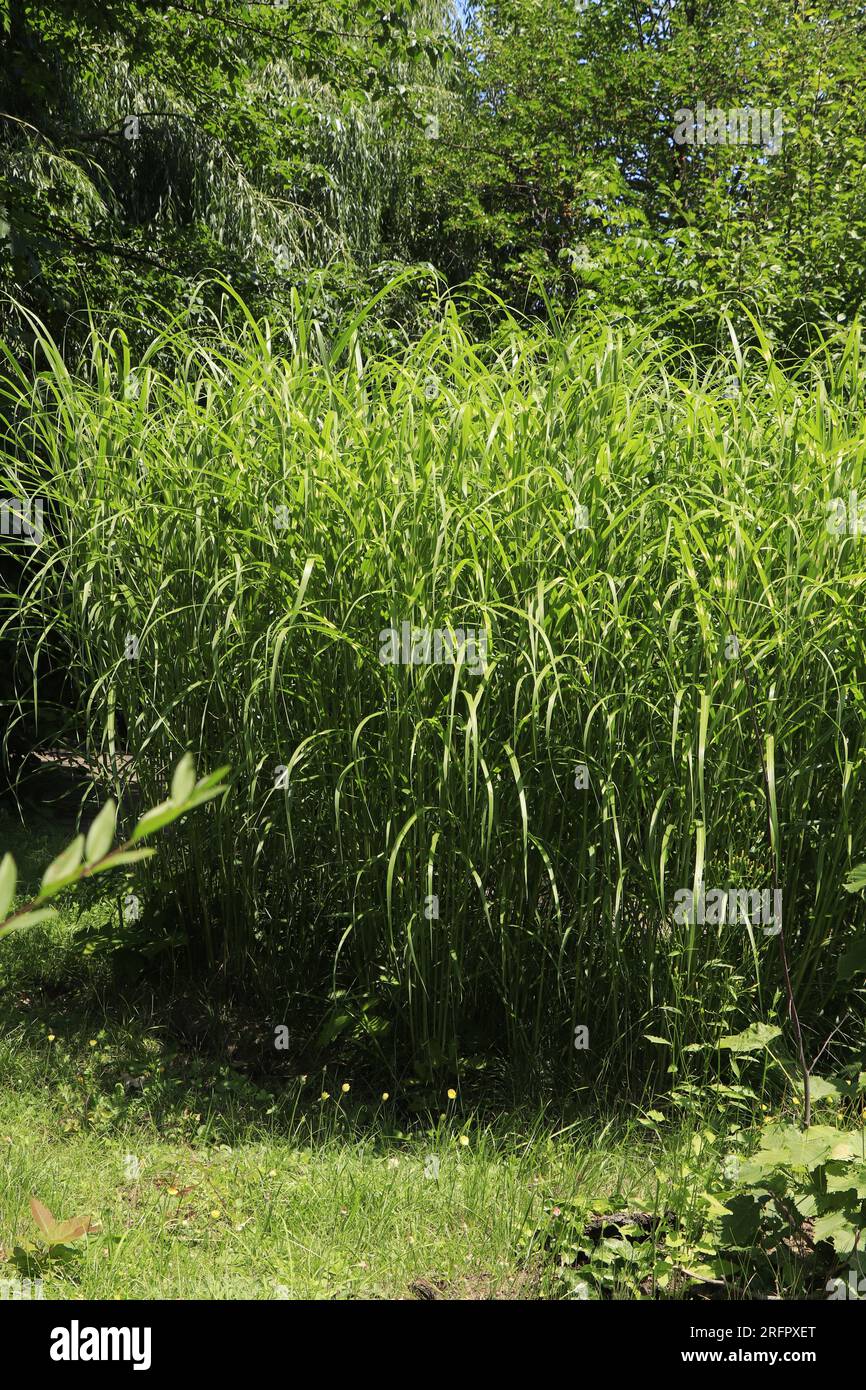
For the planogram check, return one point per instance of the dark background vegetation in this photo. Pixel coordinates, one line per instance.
(284, 144)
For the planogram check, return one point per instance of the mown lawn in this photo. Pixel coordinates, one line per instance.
(206, 1185)
(269, 1218)
(206, 1182)
(207, 1175)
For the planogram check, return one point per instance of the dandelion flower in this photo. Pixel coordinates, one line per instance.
(452, 1095)
(215, 1214)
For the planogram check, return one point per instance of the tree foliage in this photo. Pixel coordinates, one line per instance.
(146, 143)
(559, 165)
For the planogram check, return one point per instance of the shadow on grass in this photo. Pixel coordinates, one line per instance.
(117, 1039)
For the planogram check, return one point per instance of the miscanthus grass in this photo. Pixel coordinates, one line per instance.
(495, 639)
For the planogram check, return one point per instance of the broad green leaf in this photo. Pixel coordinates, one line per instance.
(42, 1216)
(854, 1180)
(57, 1232)
(760, 1165)
(846, 1147)
(183, 781)
(155, 819)
(65, 1231)
(856, 880)
(838, 1229)
(8, 880)
(753, 1039)
(332, 1028)
(789, 1147)
(127, 856)
(199, 797)
(167, 812)
(27, 919)
(741, 1226)
(714, 1207)
(213, 779)
(806, 1205)
(853, 961)
(64, 869)
(822, 1088)
(100, 836)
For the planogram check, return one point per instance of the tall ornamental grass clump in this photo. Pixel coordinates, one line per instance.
(495, 639)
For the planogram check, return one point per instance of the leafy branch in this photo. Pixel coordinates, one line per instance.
(92, 854)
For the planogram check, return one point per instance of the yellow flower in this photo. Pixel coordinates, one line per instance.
(326, 1095)
(216, 1214)
(172, 1192)
(345, 1088)
(452, 1095)
(464, 1140)
(52, 1037)
(385, 1096)
(92, 1042)
(272, 1173)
